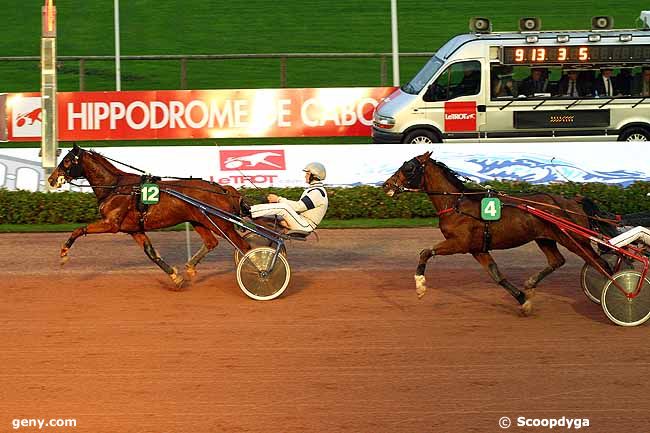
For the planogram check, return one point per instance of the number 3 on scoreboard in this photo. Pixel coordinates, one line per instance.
(150, 193)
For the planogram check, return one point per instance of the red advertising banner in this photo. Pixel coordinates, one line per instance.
(171, 114)
(460, 116)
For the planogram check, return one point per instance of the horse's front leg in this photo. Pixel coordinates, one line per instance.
(524, 298)
(103, 226)
(444, 248)
(144, 241)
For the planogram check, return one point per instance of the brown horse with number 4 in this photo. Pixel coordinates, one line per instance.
(119, 198)
(465, 231)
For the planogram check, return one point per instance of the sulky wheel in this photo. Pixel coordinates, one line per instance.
(257, 280)
(256, 241)
(619, 308)
(592, 281)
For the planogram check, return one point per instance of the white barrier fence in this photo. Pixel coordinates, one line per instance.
(350, 165)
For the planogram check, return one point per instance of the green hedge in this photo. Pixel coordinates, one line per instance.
(22, 207)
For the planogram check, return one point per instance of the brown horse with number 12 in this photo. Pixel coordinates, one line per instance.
(465, 232)
(118, 197)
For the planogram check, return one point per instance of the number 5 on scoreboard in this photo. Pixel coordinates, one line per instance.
(150, 193)
(490, 209)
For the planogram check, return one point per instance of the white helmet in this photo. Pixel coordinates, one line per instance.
(316, 169)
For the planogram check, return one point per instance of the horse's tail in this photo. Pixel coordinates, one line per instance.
(237, 201)
(597, 223)
(636, 219)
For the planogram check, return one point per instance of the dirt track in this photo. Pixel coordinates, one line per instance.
(348, 347)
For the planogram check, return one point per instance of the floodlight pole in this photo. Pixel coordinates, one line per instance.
(49, 142)
(393, 26)
(118, 73)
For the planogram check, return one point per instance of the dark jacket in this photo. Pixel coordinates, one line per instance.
(469, 85)
(599, 86)
(637, 86)
(581, 87)
(528, 88)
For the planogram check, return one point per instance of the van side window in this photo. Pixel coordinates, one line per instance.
(459, 79)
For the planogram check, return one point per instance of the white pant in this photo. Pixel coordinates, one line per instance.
(632, 235)
(291, 217)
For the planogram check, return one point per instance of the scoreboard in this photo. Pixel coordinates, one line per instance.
(576, 54)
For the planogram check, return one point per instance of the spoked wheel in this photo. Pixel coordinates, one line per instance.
(619, 308)
(256, 279)
(256, 241)
(592, 281)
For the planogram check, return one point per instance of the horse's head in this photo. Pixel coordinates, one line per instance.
(69, 169)
(409, 177)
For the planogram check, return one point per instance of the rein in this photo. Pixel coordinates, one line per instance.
(132, 185)
(140, 170)
(523, 200)
(116, 161)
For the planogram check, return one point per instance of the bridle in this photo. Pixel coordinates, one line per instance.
(75, 170)
(413, 171)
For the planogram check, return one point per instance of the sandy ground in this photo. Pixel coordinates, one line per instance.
(347, 348)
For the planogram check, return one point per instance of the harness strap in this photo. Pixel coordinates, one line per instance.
(487, 238)
(446, 211)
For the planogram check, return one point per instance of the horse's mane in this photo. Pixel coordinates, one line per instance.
(101, 159)
(452, 176)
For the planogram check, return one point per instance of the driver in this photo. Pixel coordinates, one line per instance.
(638, 233)
(304, 214)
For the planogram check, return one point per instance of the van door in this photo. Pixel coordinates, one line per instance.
(454, 102)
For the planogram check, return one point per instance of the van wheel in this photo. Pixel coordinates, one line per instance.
(634, 134)
(421, 136)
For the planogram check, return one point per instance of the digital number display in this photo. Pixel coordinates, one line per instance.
(576, 54)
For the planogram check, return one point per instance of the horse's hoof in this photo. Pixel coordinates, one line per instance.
(177, 279)
(64, 259)
(527, 308)
(190, 271)
(420, 286)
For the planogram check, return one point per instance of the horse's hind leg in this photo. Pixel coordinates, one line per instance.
(524, 299)
(555, 260)
(144, 241)
(209, 243)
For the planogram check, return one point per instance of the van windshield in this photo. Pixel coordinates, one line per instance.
(423, 77)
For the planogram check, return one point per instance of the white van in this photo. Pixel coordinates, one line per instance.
(564, 85)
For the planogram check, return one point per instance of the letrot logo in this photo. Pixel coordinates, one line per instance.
(252, 160)
(26, 117)
(460, 116)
